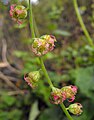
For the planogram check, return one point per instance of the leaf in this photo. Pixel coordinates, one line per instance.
(21, 54)
(54, 113)
(9, 100)
(3, 115)
(43, 91)
(62, 32)
(85, 80)
(15, 114)
(58, 78)
(34, 111)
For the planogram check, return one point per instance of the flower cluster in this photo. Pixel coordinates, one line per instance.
(40, 47)
(60, 95)
(66, 93)
(70, 92)
(18, 13)
(32, 78)
(43, 45)
(75, 108)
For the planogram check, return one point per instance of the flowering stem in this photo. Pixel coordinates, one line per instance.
(36, 29)
(45, 72)
(31, 19)
(65, 111)
(42, 63)
(89, 39)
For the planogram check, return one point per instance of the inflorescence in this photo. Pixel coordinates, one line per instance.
(41, 46)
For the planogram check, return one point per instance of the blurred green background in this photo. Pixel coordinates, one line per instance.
(71, 62)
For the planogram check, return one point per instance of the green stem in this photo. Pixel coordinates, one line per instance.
(65, 111)
(42, 63)
(82, 23)
(31, 19)
(45, 72)
(36, 29)
(33, 36)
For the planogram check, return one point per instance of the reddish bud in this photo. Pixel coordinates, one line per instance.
(18, 13)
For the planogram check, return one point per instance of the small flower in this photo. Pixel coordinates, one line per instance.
(43, 45)
(75, 108)
(50, 39)
(56, 96)
(60, 95)
(18, 13)
(32, 78)
(70, 92)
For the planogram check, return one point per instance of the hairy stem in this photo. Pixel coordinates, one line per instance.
(42, 63)
(89, 39)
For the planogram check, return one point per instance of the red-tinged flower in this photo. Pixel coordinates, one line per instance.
(32, 78)
(50, 39)
(75, 108)
(43, 45)
(56, 96)
(18, 13)
(70, 92)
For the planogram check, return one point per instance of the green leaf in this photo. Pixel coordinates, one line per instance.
(85, 80)
(3, 115)
(43, 91)
(34, 111)
(9, 100)
(21, 54)
(62, 32)
(54, 113)
(15, 114)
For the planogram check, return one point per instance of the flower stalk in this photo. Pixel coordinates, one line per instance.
(31, 20)
(65, 111)
(42, 63)
(45, 72)
(89, 39)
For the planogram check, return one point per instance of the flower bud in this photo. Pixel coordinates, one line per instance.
(43, 45)
(70, 92)
(18, 13)
(56, 96)
(75, 108)
(32, 78)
